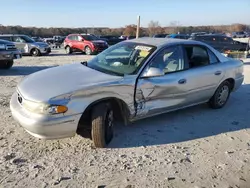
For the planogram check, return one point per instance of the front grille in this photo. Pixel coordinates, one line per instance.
(10, 47)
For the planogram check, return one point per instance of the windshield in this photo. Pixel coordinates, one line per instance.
(122, 58)
(90, 37)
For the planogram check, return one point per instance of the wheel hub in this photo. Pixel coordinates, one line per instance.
(223, 95)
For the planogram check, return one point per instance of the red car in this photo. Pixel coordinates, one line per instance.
(90, 44)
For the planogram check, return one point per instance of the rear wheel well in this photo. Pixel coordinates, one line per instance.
(121, 114)
(232, 83)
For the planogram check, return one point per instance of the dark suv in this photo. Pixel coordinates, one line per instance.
(8, 53)
(90, 44)
(221, 43)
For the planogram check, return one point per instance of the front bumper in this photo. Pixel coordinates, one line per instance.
(10, 55)
(42, 126)
(45, 50)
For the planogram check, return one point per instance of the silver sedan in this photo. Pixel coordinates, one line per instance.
(129, 81)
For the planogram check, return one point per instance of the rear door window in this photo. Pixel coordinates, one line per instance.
(18, 39)
(197, 56)
(212, 57)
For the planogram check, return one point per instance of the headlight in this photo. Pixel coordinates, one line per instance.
(42, 108)
(2, 46)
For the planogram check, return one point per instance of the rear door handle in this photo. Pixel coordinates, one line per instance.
(182, 81)
(217, 73)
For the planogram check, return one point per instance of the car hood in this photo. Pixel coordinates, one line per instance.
(49, 83)
(6, 42)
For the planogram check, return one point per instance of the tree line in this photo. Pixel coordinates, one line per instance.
(130, 30)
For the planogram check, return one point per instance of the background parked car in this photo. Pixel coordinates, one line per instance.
(221, 43)
(111, 39)
(90, 44)
(160, 36)
(240, 34)
(198, 33)
(178, 36)
(27, 45)
(8, 52)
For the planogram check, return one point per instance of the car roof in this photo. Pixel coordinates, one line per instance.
(160, 42)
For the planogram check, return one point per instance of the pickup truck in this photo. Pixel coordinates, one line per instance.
(8, 52)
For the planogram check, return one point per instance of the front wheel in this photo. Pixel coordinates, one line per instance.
(220, 96)
(35, 52)
(102, 125)
(68, 50)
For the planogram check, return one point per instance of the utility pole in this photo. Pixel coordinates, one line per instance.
(138, 27)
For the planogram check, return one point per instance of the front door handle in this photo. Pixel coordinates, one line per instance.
(182, 81)
(217, 73)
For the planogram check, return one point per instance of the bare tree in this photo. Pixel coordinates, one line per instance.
(175, 25)
(154, 28)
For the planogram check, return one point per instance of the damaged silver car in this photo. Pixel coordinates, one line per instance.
(129, 81)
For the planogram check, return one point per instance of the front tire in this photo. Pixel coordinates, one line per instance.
(35, 52)
(220, 96)
(6, 64)
(102, 125)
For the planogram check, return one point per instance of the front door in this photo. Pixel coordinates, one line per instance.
(20, 44)
(164, 93)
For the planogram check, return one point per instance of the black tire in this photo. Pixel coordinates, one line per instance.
(68, 50)
(35, 52)
(102, 125)
(88, 50)
(221, 95)
(6, 64)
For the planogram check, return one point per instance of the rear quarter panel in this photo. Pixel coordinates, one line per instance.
(233, 69)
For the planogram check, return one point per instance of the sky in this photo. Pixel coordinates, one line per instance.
(117, 13)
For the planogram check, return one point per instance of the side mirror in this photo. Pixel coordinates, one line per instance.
(153, 72)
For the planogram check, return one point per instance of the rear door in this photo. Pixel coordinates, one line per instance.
(80, 43)
(21, 44)
(204, 74)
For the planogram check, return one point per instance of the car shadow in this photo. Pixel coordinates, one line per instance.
(187, 124)
(22, 70)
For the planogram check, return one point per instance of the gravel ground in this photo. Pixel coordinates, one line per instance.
(195, 147)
